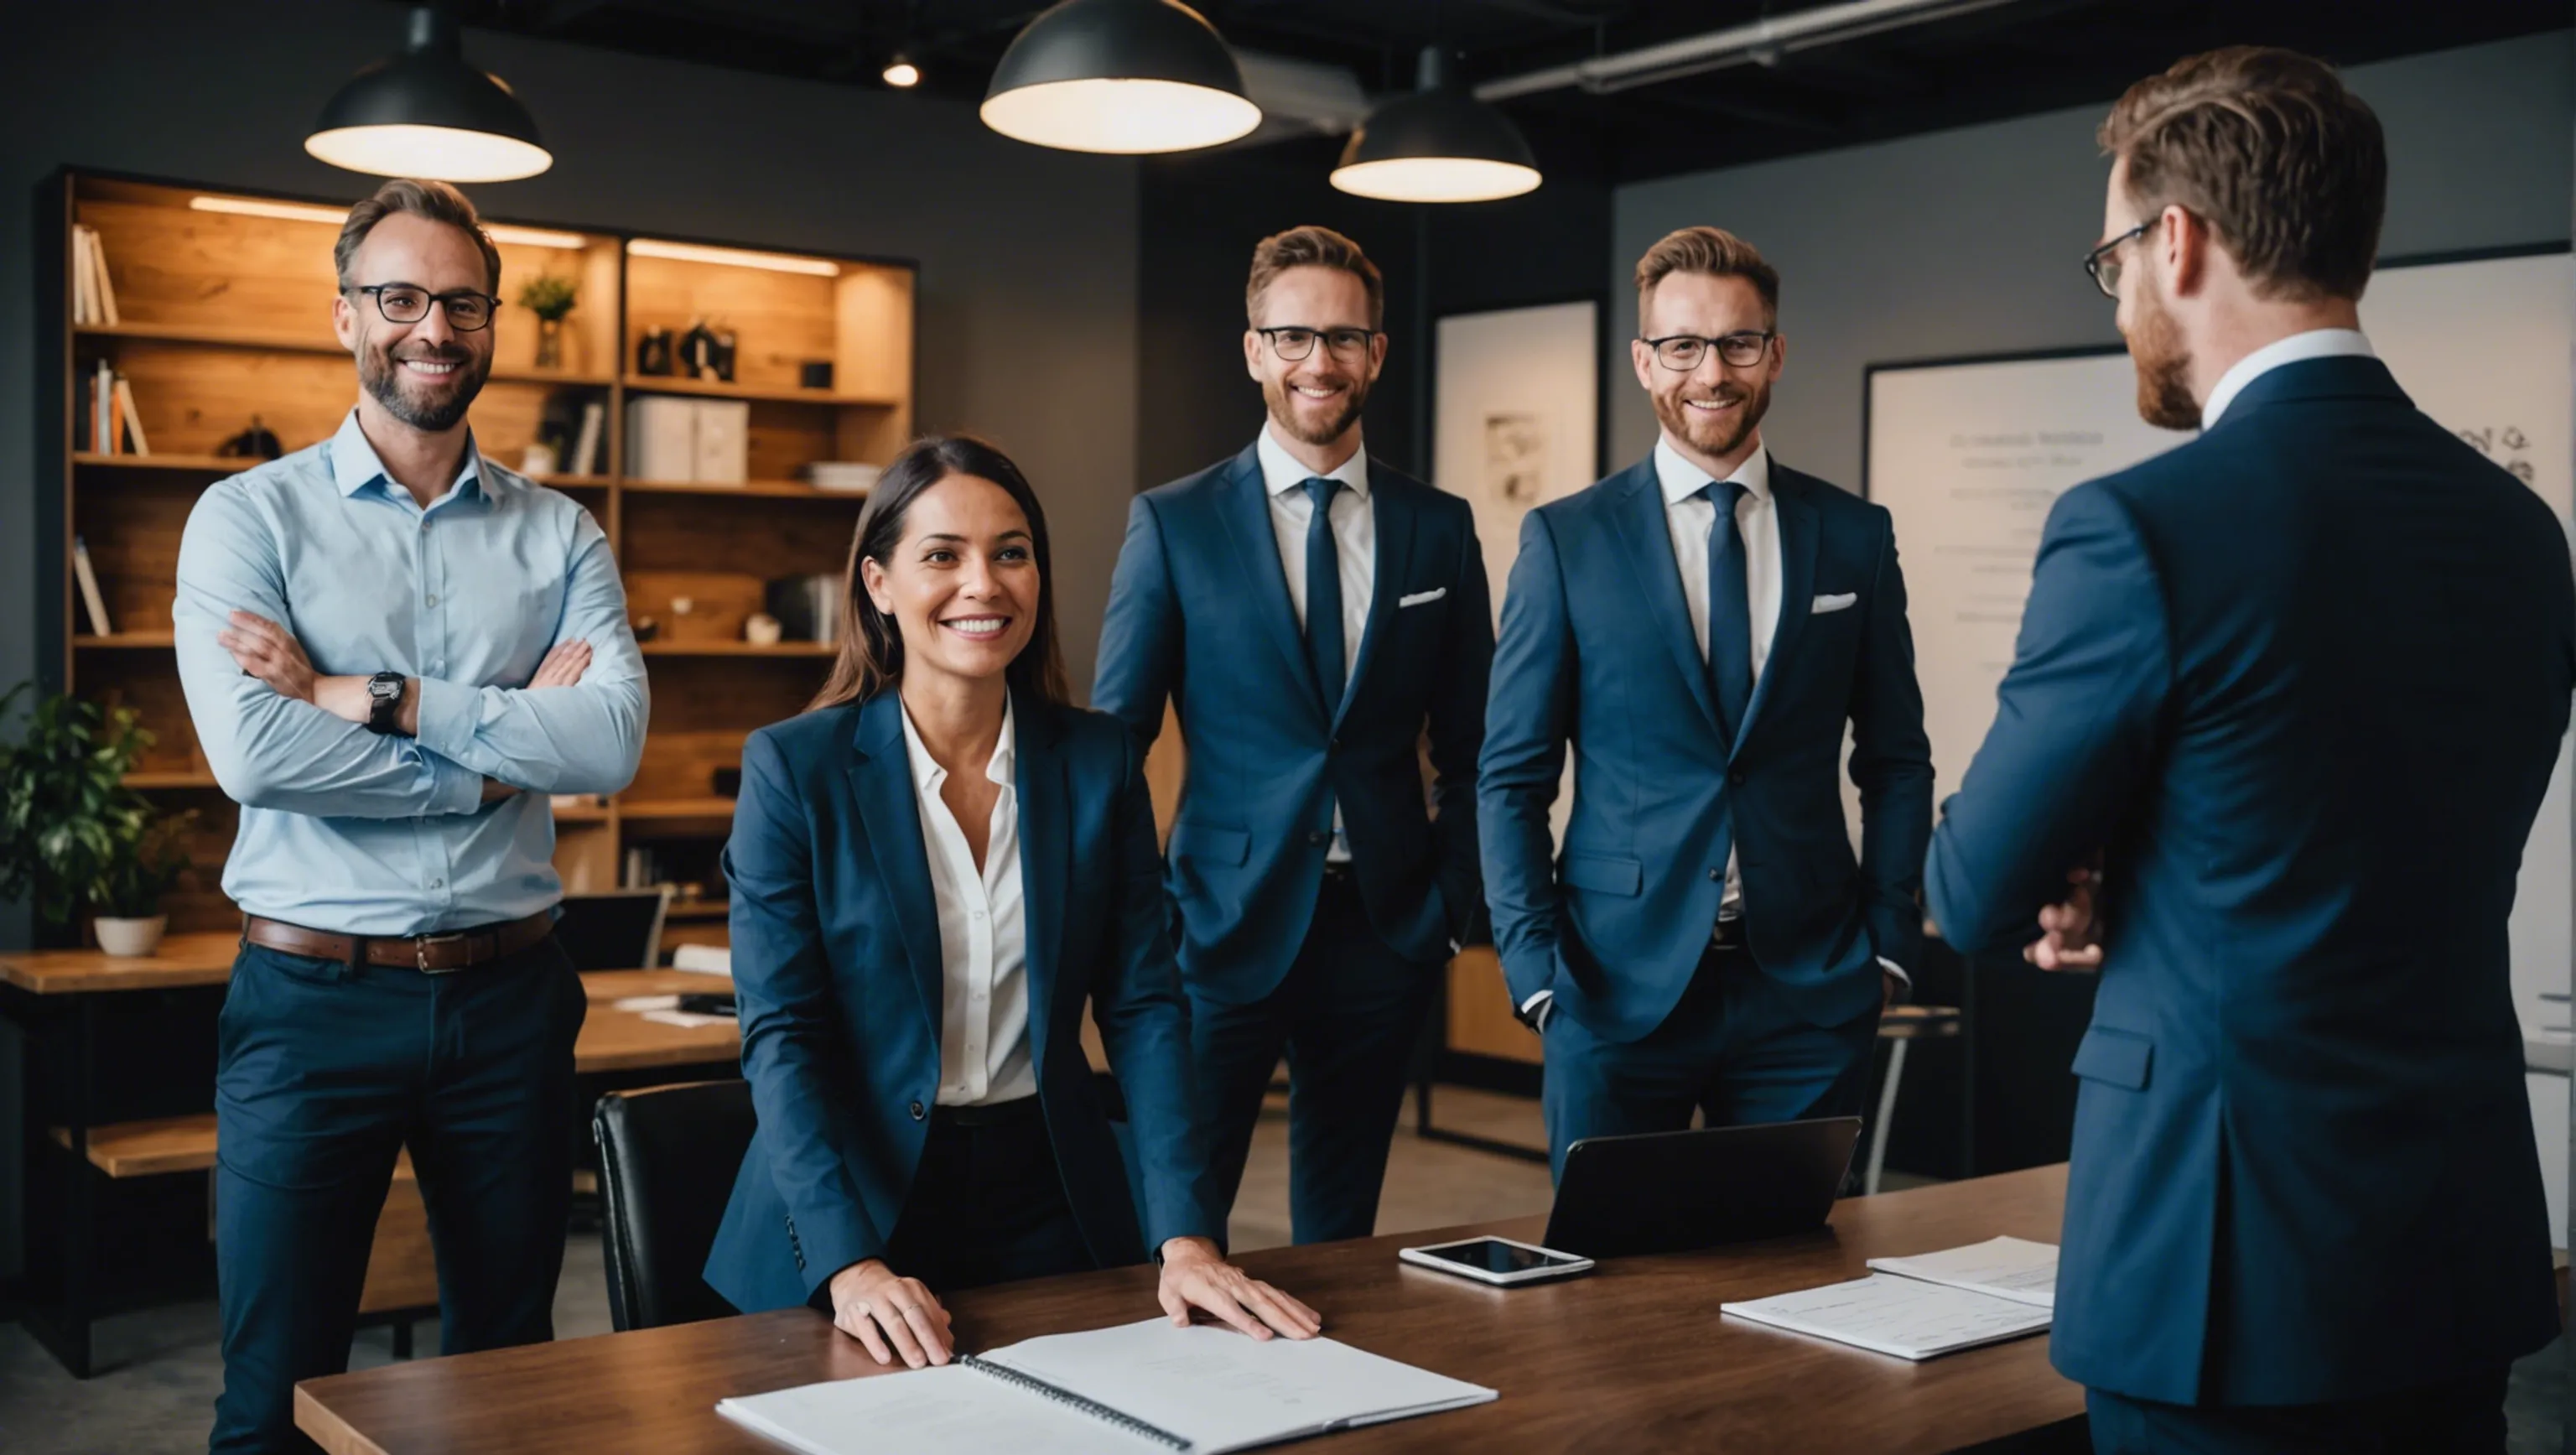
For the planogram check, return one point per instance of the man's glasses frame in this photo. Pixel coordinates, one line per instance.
(1294, 342)
(1683, 352)
(2103, 268)
(399, 308)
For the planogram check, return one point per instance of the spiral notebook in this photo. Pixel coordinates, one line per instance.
(1136, 1388)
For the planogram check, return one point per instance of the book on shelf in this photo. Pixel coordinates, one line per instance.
(102, 409)
(585, 450)
(661, 439)
(130, 416)
(91, 600)
(841, 475)
(93, 296)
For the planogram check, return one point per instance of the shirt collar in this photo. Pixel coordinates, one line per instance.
(2316, 343)
(927, 775)
(1281, 472)
(1681, 479)
(355, 464)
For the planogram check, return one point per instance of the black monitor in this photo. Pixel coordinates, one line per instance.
(620, 930)
(1671, 1192)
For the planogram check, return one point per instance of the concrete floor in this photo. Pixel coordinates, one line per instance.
(163, 1369)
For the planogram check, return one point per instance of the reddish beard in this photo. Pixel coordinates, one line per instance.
(2163, 362)
(1715, 437)
(1282, 404)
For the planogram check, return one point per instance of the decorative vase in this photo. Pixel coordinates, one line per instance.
(549, 343)
(130, 937)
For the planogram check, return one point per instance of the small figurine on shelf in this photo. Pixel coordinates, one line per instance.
(550, 298)
(255, 443)
(653, 352)
(698, 351)
(724, 354)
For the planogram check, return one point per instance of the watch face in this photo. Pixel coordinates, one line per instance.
(383, 687)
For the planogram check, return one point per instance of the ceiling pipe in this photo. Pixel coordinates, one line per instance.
(1760, 42)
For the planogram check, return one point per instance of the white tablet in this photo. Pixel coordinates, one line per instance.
(1500, 1261)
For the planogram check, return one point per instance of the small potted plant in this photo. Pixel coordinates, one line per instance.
(72, 835)
(551, 299)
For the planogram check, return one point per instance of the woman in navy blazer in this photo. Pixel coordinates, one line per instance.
(933, 868)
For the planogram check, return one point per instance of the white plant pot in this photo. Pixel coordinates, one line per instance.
(130, 936)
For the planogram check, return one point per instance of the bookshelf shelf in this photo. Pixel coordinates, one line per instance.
(218, 326)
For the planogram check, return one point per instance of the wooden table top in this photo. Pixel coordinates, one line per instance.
(622, 1040)
(1630, 1357)
(204, 958)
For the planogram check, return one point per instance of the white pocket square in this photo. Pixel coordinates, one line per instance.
(1419, 597)
(1833, 603)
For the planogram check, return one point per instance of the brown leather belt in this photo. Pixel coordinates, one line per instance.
(429, 954)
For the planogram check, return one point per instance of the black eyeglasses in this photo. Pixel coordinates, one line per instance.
(1682, 352)
(2106, 268)
(467, 311)
(1293, 344)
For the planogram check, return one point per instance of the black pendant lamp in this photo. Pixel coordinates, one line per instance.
(1439, 144)
(426, 113)
(1123, 76)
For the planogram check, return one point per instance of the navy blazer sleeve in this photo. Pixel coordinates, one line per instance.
(2075, 729)
(1140, 634)
(1891, 765)
(1144, 1025)
(1457, 733)
(790, 1032)
(1528, 713)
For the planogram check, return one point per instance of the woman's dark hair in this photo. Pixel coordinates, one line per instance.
(871, 657)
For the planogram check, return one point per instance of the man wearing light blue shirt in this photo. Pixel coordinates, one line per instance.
(392, 648)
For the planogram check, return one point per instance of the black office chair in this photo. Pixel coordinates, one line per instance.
(667, 1159)
(619, 930)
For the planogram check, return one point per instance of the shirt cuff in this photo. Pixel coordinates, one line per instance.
(1892, 968)
(453, 788)
(447, 714)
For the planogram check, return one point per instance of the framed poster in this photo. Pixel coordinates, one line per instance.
(1516, 417)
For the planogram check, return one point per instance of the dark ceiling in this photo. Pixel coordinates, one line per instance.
(2015, 58)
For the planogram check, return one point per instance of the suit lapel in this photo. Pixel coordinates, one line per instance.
(1256, 545)
(890, 808)
(1394, 521)
(1649, 540)
(1046, 859)
(1799, 528)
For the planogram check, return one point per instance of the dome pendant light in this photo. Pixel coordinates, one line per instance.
(1439, 144)
(426, 113)
(1122, 76)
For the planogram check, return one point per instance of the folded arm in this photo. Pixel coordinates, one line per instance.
(1891, 765)
(794, 1050)
(581, 739)
(1530, 710)
(269, 750)
(2076, 722)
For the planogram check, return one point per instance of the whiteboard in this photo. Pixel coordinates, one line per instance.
(1969, 456)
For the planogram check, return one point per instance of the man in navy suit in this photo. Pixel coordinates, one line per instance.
(1699, 628)
(2297, 688)
(1310, 613)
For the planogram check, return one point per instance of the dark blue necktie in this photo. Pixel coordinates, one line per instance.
(1730, 615)
(1324, 595)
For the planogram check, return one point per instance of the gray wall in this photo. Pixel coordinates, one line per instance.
(1968, 241)
(1028, 257)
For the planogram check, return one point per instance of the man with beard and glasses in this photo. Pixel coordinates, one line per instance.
(2290, 696)
(1698, 629)
(1309, 612)
(393, 650)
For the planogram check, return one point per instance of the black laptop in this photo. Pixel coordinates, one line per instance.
(1670, 1192)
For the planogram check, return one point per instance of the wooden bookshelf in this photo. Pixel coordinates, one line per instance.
(224, 316)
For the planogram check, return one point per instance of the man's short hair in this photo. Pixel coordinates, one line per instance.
(2287, 169)
(1715, 252)
(1312, 247)
(437, 201)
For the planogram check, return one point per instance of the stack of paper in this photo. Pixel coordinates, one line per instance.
(841, 475)
(1923, 1306)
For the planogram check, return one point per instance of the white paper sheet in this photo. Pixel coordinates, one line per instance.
(938, 1411)
(2013, 1268)
(1901, 1316)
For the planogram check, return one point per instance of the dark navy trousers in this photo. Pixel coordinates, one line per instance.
(324, 1073)
(1348, 1014)
(1733, 1050)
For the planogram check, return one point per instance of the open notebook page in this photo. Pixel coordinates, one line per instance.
(2013, 1268)
(1899, 1316)
(1221, 1390)
(936, 1411)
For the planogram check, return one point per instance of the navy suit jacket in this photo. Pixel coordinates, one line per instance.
(2301, 684)
(1199, 613)
(1597, 651)
(836, 966)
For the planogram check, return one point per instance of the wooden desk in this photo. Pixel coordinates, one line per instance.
(622, 1040)
(205, 958)
(1631, 1357)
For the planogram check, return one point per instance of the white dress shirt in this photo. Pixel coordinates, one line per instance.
(2316, 343)
(1688, 513)
(983, 934)
(1354, 522)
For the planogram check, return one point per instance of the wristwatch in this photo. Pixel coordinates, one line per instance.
(384, 702)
